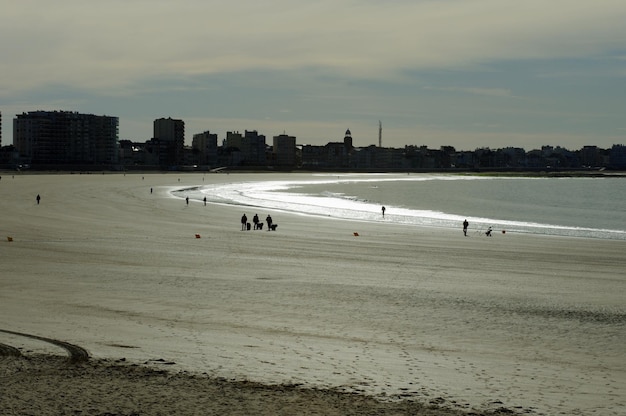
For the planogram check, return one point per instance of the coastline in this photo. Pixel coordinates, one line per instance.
(104, 264)
(429, 200)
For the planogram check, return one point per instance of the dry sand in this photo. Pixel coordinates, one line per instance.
(109, 304)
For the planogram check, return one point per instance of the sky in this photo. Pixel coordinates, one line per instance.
(462, 73)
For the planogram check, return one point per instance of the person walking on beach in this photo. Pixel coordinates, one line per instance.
(269, 222)
(465, 225)
(244, 222)
(384, 209)
(38, 199)
(187, 200)
(204, 201)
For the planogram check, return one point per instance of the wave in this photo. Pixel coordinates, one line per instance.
(296, 197)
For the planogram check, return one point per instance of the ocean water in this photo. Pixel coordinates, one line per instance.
(575, 207)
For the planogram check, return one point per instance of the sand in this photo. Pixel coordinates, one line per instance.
(111, 304)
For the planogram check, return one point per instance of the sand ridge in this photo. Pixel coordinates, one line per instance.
(48, 385)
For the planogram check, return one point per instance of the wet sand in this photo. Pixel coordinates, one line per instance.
(309, 319)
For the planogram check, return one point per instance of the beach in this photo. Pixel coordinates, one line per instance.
(178, 310)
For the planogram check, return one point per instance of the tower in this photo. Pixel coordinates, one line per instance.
(380, 134)
(347, 140)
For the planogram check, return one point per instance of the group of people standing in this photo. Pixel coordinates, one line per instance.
(258, 225)
(245, 225)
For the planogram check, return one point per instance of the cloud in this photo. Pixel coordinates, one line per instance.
(111, 44)
(490, 92)
(429, 69)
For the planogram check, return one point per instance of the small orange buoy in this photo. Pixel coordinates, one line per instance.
(197, 235)
(356, 234)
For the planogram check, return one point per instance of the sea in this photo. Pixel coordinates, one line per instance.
(587, 207)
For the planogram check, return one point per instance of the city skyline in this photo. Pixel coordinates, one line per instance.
(471, 74)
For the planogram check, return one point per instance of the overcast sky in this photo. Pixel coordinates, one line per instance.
(464, 73)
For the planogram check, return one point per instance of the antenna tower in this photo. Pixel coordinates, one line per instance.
(380, 134)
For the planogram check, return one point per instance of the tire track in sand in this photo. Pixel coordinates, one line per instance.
(9, 351)
(77, 354)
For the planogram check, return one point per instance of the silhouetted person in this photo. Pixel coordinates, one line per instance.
(150, 190)
(244, 221)
(204, 201)
(488, 233)
(255, 220)
(187, 200)
(384, 209)
(465, 225)
(269, 222)
(38, 199)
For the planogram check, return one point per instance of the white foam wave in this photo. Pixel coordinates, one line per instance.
(271, 195)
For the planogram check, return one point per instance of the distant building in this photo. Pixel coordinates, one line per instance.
(246, 150)
(617, 156)
(233, 139)
(8, 156)
(336, 155)
(204, 147)
(513, 157)
(64, 137)
(313, 156)
(169, 141)
(463, 160)
(230, 154)
(284, 150)
(254, 149)
(590, 156)
(333, 155)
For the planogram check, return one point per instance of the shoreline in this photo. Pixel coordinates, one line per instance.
(524, 323)
(366, 210)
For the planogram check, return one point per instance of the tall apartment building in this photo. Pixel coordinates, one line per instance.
(205, 144)
(65, 137)
(254, 148)
(169, 129)
(169, 137)
(284, 150)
